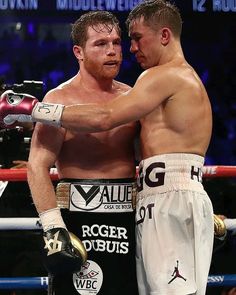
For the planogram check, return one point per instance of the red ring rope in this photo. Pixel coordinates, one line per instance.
(219, 171)
(208, 171)
(20, 174)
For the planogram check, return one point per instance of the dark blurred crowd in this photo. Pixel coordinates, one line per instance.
(34, 51)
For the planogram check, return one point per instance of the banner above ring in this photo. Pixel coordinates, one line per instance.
(53, 6)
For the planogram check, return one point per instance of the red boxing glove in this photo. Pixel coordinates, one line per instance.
(16, 107)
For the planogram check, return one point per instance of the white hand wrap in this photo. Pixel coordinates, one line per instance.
(51, 218)
(48, 113)
(230, 224)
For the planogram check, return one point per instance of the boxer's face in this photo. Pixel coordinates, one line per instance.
(145, 43)
(102, 54)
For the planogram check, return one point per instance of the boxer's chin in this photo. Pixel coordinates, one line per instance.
(110, 72)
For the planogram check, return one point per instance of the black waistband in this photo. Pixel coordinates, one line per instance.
(97, 181)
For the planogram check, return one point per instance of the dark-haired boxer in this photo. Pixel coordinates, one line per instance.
(174, 214)
(96, 170)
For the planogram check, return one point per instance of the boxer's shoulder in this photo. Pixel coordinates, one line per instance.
(120, 87)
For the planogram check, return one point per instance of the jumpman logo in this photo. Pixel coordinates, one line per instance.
(176, 273)
(53, 245)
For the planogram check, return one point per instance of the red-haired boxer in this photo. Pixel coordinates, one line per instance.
(96, 171)
(174, 214)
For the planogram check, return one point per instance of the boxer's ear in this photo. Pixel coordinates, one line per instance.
(78, 52)
(165, 36)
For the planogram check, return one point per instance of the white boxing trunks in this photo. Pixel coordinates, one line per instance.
(175, 228)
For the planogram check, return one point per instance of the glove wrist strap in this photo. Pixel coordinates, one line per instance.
(230, 224)
(48, 113)
(51, 219)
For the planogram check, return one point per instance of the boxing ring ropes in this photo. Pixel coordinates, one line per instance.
(15, 175)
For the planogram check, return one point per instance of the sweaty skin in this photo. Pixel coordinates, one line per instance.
(168, 97)
(108, 154)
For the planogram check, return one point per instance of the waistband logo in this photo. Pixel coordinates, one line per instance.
(155, 173)
(152, 178)
(101, 197)
(196, 174)
(89, 195)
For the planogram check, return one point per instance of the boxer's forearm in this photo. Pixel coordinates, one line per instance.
(42, 189)
(82, 118)
(79, 117)
(87, 118)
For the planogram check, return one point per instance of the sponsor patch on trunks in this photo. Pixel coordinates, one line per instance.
(89, 280)
(101, 197)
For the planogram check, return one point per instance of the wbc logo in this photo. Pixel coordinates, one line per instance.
(89, 280)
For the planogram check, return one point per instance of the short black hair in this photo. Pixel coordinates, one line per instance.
(156, 13)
